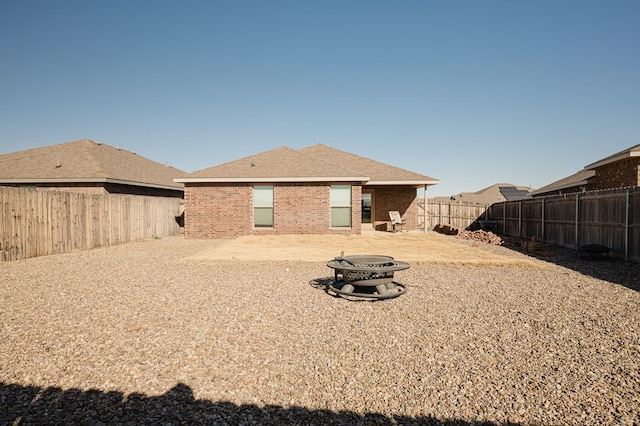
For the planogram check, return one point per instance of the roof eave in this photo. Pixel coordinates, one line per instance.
(614, 159)
(90, 180)
(416, 183)
(273, 179)
(558, 188)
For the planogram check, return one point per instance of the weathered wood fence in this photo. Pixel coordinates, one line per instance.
(40, 222)
(457, 214)
(609, 218)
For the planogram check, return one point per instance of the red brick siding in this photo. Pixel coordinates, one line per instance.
(400, 198)
(223, 211)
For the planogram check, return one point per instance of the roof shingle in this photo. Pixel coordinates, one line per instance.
(85, 161)
(315, 163)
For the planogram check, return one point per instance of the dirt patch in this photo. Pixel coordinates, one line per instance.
(411, 247)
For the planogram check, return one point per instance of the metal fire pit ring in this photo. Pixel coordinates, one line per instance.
(368, 276)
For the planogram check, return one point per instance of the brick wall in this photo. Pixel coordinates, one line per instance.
(620, 174)
(400, 198)
(223, 211)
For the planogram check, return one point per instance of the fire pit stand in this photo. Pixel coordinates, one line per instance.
(369, 276)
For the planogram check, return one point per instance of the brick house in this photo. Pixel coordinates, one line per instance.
(90, 167)
(315, 190)
(619, 170)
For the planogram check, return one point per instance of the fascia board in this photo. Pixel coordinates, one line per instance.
(274, 179)
(403, 182)
(90, 180)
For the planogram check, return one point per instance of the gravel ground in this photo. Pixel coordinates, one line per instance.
(138, 333)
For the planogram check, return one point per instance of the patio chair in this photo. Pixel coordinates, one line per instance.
(396, 221)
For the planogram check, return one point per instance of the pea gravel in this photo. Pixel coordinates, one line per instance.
(138, 333)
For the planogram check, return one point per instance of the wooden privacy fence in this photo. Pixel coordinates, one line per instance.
(40, 222)
(456, 214)
(609, 218)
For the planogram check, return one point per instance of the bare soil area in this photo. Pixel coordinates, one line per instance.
(414, 247)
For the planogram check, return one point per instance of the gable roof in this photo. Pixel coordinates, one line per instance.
(85, 161)
(277, 165)
(316, 163)
(381, 173)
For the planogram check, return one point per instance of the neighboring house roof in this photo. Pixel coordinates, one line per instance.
(634, 151)
(380, 173)
(312, 164)
(576, 179)
(582, 177)
(491, 194)
(86, 161)
(281, 164)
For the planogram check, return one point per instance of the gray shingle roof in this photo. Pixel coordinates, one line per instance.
(315, 163)
(582, 177)
(378, 171)
(634, 151)
(576, 179)
(85, 161)
(277, 164)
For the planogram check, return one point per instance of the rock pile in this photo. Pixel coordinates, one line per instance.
(482, 236)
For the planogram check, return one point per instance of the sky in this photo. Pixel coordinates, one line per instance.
(471, 93)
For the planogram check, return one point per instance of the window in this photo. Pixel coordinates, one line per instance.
(340, 206)
(263, 206)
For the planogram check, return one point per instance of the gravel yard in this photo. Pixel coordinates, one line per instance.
(154, 332)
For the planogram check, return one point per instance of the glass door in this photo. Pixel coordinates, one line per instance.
(367, 207)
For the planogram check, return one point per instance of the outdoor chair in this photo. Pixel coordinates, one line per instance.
(396, 221)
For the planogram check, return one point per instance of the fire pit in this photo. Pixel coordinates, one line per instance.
(369, 276)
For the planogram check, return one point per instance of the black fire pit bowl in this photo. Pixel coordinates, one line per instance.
(367, 275)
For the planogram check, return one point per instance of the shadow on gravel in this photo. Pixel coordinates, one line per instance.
(31, 405)
(611, 269)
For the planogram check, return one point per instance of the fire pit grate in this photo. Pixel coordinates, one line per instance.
(369, 276)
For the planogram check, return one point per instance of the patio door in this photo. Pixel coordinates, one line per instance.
(367, 208)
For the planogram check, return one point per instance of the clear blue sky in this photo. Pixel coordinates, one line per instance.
(469, 92)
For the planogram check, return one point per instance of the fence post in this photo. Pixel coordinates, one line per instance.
(520, 219)
(577, 236)
(542, 220)
(627, 226)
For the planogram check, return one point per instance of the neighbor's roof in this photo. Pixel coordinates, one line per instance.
(277, 165)
(634, 151)
(583, 176)
(85, 161)
(492, 194)
(576, 179)
(316, 163)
